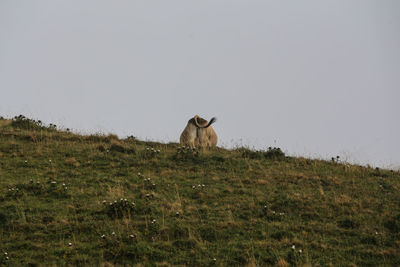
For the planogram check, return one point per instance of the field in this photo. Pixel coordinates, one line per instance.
(97, 200)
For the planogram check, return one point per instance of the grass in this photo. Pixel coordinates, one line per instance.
(69, 199)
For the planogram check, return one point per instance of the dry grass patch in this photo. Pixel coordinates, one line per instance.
(282, 263)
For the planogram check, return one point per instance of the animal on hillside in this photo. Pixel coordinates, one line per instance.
(199, 132)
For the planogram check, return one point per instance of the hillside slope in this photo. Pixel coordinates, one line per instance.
(68, 199)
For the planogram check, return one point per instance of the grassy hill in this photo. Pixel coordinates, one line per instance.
(68, 199)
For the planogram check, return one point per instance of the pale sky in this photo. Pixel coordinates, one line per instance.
(316, 78)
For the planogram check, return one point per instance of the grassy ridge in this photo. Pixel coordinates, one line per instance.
(62, 202)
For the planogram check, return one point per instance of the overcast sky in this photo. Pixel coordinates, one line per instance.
(316, 78)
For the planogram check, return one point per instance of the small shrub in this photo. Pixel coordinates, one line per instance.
(38, 189)
(14, 192)
(22, 122)
(52, 126)
(25, 123)
(335, 159)
(247, 153)
(150, 153)
(186, 153)
(110, 137)
(274, 153)
(119, 209)
(117, 146)
(131, 138)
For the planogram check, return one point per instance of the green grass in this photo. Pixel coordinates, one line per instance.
(239, 207)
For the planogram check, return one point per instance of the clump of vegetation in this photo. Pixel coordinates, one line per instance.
(25, 123)
(185, 153)
(274, 153)
(150, 153)
(335, 159)
(119, 208)
(36, 188)
(130, 138)
(117, 146)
